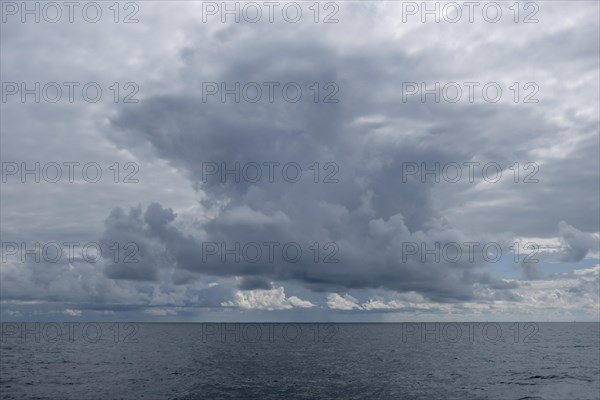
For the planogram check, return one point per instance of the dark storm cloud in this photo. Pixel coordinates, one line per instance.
(369, 133)
(369, 213)
(375, 264)
(187, 131)
(139, 255)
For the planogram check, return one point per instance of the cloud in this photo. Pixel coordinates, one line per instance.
(266, 299)
(576, 243)
(370, 211)
(350, 199)
(570, 245)
(337, 302)
(370, 252)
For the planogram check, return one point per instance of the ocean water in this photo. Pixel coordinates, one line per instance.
(300, 361)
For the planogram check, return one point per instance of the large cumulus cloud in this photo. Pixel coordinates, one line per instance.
(367, 210)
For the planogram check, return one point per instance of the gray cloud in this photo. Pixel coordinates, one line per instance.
(368, 134)
(370, 211)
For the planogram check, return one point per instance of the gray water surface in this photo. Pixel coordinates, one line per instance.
(301, 361)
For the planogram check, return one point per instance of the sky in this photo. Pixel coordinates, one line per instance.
(298, 161)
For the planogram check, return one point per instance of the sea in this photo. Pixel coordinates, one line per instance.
(463, 360)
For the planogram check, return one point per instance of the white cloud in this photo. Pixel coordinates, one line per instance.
(266, 299)
(337, 302)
